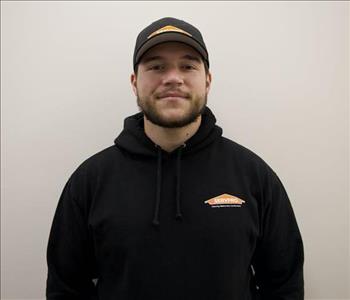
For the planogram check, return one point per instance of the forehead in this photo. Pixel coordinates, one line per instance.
(171, 50)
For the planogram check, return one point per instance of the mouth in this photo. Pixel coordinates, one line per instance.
(172, 96)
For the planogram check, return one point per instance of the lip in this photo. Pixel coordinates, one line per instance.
(172, 95)
(173, 99)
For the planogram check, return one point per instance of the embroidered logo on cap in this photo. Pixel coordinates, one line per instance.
(168, 28)
(225, 200)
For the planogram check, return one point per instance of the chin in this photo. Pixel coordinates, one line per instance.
(173, 113)
(174, 120)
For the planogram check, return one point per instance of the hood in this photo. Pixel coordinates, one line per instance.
(134, 140)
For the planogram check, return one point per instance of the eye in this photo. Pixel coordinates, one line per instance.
(189, 67)
(156, 67)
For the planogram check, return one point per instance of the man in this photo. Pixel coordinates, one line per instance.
(174, 210)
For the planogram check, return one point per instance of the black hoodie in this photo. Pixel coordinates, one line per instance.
(208, 221)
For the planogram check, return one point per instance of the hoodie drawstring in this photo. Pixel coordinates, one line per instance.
(158, 187)
(178, 169)
(159, 184)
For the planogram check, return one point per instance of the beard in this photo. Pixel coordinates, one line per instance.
(197, 107)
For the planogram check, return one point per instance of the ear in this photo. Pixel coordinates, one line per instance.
(133, 80)
(208, 82)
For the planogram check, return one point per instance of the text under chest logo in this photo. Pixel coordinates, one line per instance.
(225, 200)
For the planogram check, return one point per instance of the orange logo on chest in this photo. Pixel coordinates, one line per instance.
(225, 200)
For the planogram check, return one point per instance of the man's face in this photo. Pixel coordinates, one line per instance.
(171, 85)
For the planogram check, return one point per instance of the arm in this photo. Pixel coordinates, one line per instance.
(70, 257)
(279, 255)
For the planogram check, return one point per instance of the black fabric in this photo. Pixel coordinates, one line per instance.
(159, 184)
(149, 224)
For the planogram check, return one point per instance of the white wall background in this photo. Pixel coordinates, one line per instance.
(280, 87)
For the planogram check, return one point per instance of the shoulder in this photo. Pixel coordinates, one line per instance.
(241, 153)
(100, 158)
(251, 165)
(91, 168)
(86, 177)
(246, 160)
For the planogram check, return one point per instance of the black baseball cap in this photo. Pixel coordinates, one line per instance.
(169, 30)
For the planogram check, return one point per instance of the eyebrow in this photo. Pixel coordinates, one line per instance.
(156, 57)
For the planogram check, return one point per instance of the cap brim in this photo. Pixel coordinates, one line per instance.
(170, 37)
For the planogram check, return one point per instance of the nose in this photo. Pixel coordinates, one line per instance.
(173, 77)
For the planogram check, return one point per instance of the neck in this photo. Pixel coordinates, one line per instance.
(170, 138)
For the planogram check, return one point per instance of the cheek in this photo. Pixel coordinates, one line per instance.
(200, 86)
(147, 87)
(197, 82)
